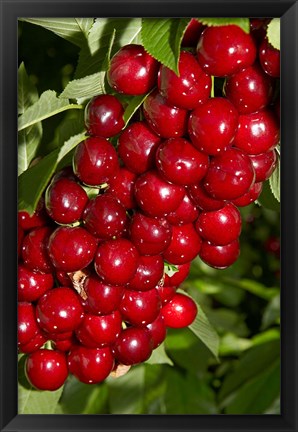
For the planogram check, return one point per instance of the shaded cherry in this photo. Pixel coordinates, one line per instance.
(186, 213)
(34, 250)
(137, 146)
(179, 276)
(122, 187)
(97, 331)
(213, 125)
(258, 28)
(95, 161)
(203, 200)
(192, 33)
(166, 293)
(59, 310)
(264, 165)
(32, 285)
(140, 308)
(157, 330)
(116, 261)
(185, 245)
(104, 116)
(132, 70)
(102, 298)
(65, 345)
(219, 257)
(151, 236)
(134, 345)
(269, 59)
(21, 235)
(155, 196)
(46, 369)
(27, 324)
(63, 278)
(148, 274)
(37, 219)
(180, 163)
(34, 344)
(250, 196)
(180, 312)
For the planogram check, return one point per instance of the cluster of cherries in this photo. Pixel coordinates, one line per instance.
(98, 275)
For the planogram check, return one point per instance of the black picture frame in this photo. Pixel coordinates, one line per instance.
(10, 10)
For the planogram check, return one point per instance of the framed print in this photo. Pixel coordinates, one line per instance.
(148, 215)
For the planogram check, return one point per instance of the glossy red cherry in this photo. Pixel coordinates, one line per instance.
(134, 345)
(213, 125)
(269, 59)
(37, 219)
(104, 116)
(186, 213)
(165, 119)
(250, 196)
(157, 330)
(179, 276)
(220, 227)
(64, 345)
(34, 250)
(71, 249)
(59, 310)
(63, 278)
(192, 33)
(225, 50)
(185, 245)
(32, 285)
(122, 187)
(148, 274)
(180, 312)
(189, 89)
(46, 369)
(105, 217)
(132, 70)
(203, 200)
(27, 324)
(90, 365)
(102, 299)
(137, 146)
(230, 175)
(60, 335)
(180, 163)
(116, 261)
(140, 308)
(155, 196)
(65, 201)
(249, 90)
(34, 344)
(151, 236)
(264, 165)
(219, 257)
(97, 331)
(95, 161)
(257, 132)
(166, 293)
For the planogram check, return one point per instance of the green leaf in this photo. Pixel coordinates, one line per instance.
(47, 105)
(256, 288)
(28, 142)
(274, 182)
(93, 55)
(267, 199)
(162, 37)
(231, 344)
(241, 22)
(159, 356)
(75, 30)
(85, 88)
(133, 105)
(33, 182)
(170, 269)
(273, 33)
(271, 313)
(27, 92)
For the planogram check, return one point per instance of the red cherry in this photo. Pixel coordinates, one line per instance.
(59, 336)
(90, 365)
(95, 161)
(151, 236)
(59, 310)
(203, 200)
(63, 278)
(105, 217)
(180, 312)
(34, 250)
(65, 201)
(104, 116)
(165, 119)
(225, 50)
(180, 163)
(157, 330)
(27, 324)
(166, 293)
(186, 213)
(213, 125)
(185, 245)
(155, 196)
(46, 369)
(230, 175)
(37, 219)
(148, 274)
(64, 345)
(132, 70)
(21, 234)
(100, 330)
(220, 227)
(258, 28)
(264, 165)
(269, 58)
(32, 285)
(219, 257)
(250, 196)
(34, 344)
(188, 89)
(71, 249)
(192, 33)
(137, 147)
(257, 132)
(102, 299)
(116, 261)
(249, 90)
(140, 308)
(179, 276)
(122, 187)
(134, 345)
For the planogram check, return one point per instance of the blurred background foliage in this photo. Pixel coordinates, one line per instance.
(242, 303)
